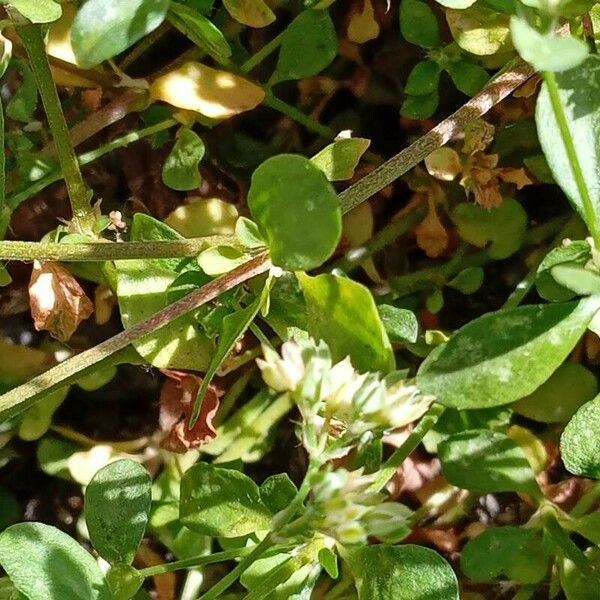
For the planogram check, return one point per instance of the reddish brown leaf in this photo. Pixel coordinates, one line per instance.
(58, 303)
(176, 402)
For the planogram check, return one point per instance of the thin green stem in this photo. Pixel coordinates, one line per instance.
(228, 580)
(402, 453)
(261, 54)
(87, 157)
(198, 561)
(569, 143)
(27, 394)
(97, 252)
(587, 501)
(380, 240)
(297, 115)
(2, 160)
(79, 193)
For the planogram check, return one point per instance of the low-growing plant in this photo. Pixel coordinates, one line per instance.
(283, 320)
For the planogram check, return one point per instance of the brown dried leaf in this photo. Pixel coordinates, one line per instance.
(58, 303)
(443, 164)
(165, 584)
(363, 25)
(517, 176)
(177, 399)
(478, 136)
(431, 235)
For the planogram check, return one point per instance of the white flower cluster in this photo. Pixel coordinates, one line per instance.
(343, 508)
(336, 393)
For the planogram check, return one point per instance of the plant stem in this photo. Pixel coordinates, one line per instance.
(409, 445)
(517, 73)
(265, 51)
(587, 501)
(297, 115)
(569, 547)
(79, 193)
(380, 240)
(196, 561)
(569, 143)
(2, 160)
(87, 157)
(97, 252)
(26, 395)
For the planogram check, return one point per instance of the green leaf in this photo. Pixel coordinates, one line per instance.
(576, 278)
(221, 259)
(46, 564)
(501, 229)
(37, 11)
(277, 491)
(576, 587)
(254, 13)
(141, 289)
(579, 441)
(308, 45)
(577, 252)
(117, 504)
(205, 34)
(406, 572)
(468, 281)
(343, 313)
(247, 232)
(479, 30)
(400, 324)
(558, 398)
(221, 502)
(340, 158)
(423, 79)
(468, 77)
(419, 107)
(234, 326)
(513, 552)
(546, 52)
(328, 560)
(180, 171)
(486, 461)
(579, 91)
(504, 356)
(38, 418)
(418, 24)
(104, 28)
(124, 581)
(297, 211)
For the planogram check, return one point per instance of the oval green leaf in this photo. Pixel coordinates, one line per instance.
(418, 24)
(407, 572)
(486, 461)
(339, 159)
(343, 313)
(558, 398)
(180, 171)
(221, 502)
(296, 210)
(104, 28)
(46, 564)
(579, 91)
(504, 356)
(308, 45)
(579, 442)
(117, 504)
(38, 11)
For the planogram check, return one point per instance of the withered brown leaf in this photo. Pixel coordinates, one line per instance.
(176, 402)
(57, 301)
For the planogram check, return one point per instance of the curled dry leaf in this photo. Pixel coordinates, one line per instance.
(177, 399)
(363, 25)
(211, 92)
(430, 233)
(58, 303)
(478, 136)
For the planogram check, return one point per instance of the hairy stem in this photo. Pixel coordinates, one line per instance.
(79, 193)
(517, 73)
(26, 395)
(569, 143)
(97, 252)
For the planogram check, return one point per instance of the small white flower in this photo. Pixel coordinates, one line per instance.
(282, 374)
